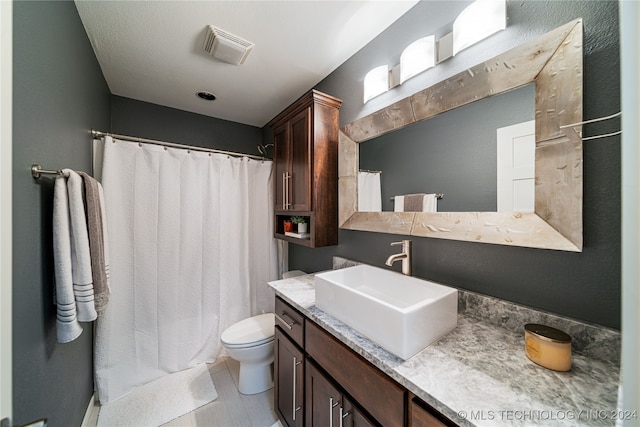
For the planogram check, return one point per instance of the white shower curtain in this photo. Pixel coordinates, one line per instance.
(192, 249)
(369, 193)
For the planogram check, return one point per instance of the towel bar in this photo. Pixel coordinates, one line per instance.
(438, 196)
(37, 171)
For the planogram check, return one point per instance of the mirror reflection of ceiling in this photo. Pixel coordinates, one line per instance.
(453, 153)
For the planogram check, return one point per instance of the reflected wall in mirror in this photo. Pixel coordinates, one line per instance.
(553, 62)
(454, 153)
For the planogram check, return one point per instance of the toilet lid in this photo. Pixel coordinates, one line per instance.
(250, 332)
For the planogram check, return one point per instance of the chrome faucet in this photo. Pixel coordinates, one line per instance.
(405, 256)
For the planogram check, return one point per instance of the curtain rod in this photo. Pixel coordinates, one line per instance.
(99, 134)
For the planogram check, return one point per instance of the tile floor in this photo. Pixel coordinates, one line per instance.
(231, 408)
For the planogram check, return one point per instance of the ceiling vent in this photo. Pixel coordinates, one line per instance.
(225, 46)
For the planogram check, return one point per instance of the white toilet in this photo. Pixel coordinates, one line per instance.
(250, 342)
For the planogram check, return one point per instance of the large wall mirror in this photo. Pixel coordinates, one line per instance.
(548, 69)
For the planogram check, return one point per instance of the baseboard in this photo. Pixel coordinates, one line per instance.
(91, 415)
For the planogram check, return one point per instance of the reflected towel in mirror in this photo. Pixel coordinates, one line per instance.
(416, 203)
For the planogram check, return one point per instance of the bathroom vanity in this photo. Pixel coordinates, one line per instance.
(326, 373)
(320, 382)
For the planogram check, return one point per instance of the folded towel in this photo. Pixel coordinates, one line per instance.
(416, 203)
(96, 226)
(430, 203)
(80, 254)
(413, 202)
(67, 326)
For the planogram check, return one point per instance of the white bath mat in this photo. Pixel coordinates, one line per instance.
(160, 401)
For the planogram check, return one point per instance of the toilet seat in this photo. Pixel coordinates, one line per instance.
(251, 332)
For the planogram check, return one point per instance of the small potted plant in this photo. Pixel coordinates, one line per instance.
(302, 223)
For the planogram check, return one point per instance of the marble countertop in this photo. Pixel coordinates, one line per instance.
(479, 375)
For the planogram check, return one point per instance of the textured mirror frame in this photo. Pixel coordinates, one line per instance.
(553, 62)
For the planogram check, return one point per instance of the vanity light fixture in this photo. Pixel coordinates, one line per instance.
(417, 57)
(376, 82)
(478, 21)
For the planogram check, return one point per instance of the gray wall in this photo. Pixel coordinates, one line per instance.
(58, 95)
(145, 120)
(586, 285)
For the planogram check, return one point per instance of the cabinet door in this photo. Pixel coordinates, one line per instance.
(289, 380)
(421, 417)
(374, 391)
(326, 405)
(322, 399)
(352, 416)
(301, 161)
(282, 167)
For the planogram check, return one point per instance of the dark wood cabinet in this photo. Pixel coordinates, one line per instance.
(421, 415)
(327, 405)
(320, 382)
(305, 138)
(321, 398)
(292, 144)
(288, 367)
(288, 392)
(374, 391)
(354, 417)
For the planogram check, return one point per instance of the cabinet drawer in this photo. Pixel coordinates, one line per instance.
(374, 391)
(290, 321)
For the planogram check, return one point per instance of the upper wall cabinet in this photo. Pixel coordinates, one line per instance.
(305, 138)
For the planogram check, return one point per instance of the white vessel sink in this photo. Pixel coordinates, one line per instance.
(402, 314)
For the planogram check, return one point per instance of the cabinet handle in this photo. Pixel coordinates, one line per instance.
(343, 416)
(284, 190)
(287, 180)
(284, 322)
(295, 372)
(332, 405)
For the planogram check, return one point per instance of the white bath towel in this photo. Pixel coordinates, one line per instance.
(67, 326)
(430, 203)
(369, 194)
(416, 203)
(80, 253)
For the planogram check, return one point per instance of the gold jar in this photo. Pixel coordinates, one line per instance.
(547, 346)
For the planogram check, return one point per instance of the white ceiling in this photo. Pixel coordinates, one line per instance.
(152, 50)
